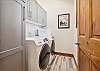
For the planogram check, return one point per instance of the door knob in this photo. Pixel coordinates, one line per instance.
(77, 43)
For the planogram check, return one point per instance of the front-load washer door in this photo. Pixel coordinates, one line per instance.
(44, 56)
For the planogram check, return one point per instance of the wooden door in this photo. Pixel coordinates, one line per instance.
(83, 19)
(88, 20)
(94, 39)
(11, 36)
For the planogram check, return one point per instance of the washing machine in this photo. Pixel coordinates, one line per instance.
(46, 57)
(38, 53)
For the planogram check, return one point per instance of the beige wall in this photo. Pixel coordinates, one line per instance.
(64, 38)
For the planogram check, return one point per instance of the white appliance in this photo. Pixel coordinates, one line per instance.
(38, 53)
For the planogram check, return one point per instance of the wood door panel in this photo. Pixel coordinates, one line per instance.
(89, 34)
(96, 61)
(96, 17)
(94, 40)
(84, 64)
(94, 44)
(84, 16)
(94, 68)
(83, 45)
(82, 40)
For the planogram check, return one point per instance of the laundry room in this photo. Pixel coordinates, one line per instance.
(49, 35)
(42, 26)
